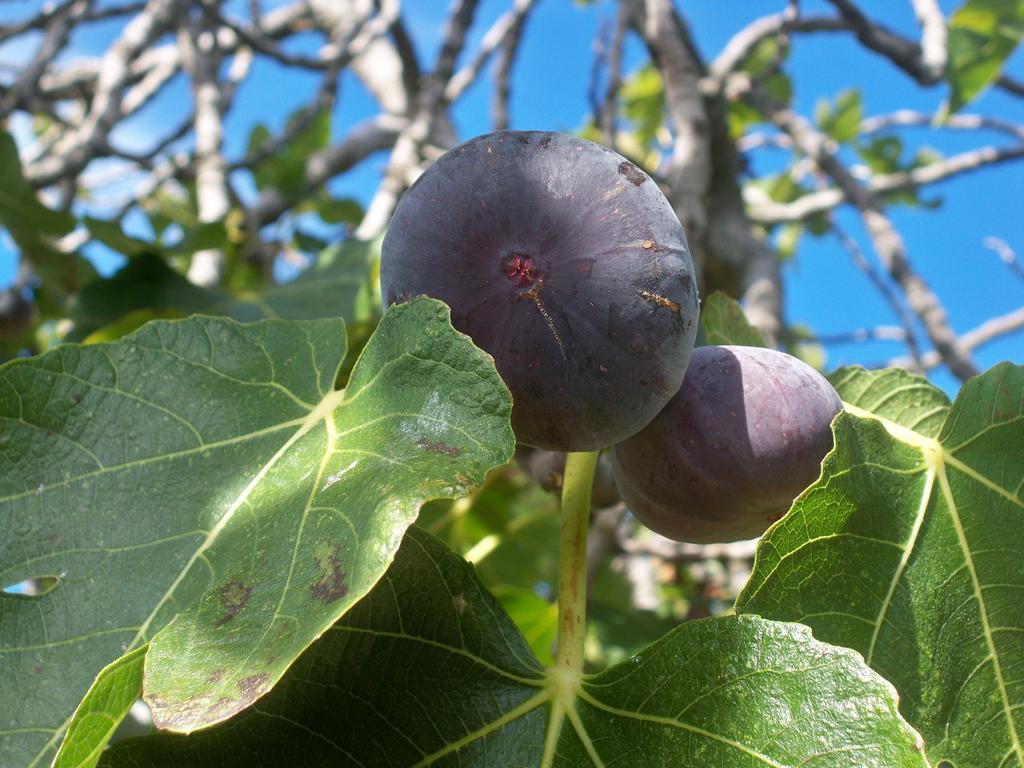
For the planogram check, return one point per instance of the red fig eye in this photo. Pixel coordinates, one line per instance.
(558, 259)
(520, 270)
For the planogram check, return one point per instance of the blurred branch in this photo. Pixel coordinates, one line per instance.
(888, 294)
(606, 114)
(57, 32)
(934, 42)
(887, 242)
(201, 59)
(508, 26)
(372, 135)
(405, 157)
(1006, 255)
(878, 333)
(988, 331)
(703, 172)
(110, 84)
(503, 68)
(904, 53)
(1010, 84)
(383, 69)
(743, 43)
(966, 122)
(826, 199)
(689, 171)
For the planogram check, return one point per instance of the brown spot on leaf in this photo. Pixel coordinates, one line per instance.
(661, 301)
(76, 398)
(459, 603)
(252, 687)
(234, 596)
(215, 677)
(633, 175)
(330, 585)
(439, 447)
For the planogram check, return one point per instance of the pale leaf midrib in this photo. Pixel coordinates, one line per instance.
(672, 723)
(986, 627)
(515, 713)
(941, 457)
(908, 548)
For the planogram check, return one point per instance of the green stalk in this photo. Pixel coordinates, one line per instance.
(572, 561)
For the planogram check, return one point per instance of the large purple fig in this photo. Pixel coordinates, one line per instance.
(742, 438)
(566, 263)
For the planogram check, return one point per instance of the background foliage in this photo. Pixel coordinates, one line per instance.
(240, 161)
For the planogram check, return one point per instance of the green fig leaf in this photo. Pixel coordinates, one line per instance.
(909, 549)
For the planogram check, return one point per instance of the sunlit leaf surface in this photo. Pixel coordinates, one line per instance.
(200, 485)
(910, 549)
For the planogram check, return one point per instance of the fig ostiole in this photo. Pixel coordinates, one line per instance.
(741, 439)
(566, 263)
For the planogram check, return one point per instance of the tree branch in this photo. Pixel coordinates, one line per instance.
(934, 43)
(508, 24)
(503, 67)
(905, 54)
(606, 116)
(887, 241)
(58, 28)
(404, 163)
(689, 173)
(371, 136)
(988, 331)
(888, 294)
(106, 103)
(826, 199)
(963, 122)
(201, 59)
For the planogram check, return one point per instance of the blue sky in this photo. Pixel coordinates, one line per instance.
(824, 291)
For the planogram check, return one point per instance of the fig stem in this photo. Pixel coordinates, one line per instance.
(572, 559)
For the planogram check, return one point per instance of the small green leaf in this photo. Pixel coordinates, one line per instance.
(117, 687)
(145, 284)
(909, 550)
(428, 671)
(779, 87)
(307, 242)
(788, 239)
(643, 98)
(30, 223)
(982, 35)
(19, 208)
(335, 210)
(842, 121)
(211, 234)
(111, 235)
(286, 169)
(882, 153)
(740, 117)
(724, 322)
(766, 53)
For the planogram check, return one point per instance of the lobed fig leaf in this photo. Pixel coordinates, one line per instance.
(429, 671)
